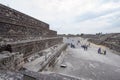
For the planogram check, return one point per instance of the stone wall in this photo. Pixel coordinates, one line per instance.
(31, 47)
(24, 34)
(112, 46)
(27, 32)
(91, 36)
(29, 75)
(11, 61)
(16, 24)
(109, 40)
(22, 50)
(52, 33)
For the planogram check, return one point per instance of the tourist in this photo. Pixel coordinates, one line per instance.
(99, 51)
(104, 52)
(72, 45)
(86, 47)
(78, 41)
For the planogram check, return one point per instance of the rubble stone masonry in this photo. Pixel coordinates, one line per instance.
(28, 34)
(16, 24)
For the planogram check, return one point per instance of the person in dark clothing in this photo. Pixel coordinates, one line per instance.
(83, 47)
(78, 43)
(104, 52)
(72, 46)
(86, 47)
(99, 51)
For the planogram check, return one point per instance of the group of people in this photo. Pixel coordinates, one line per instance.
(85, 47)
(72, 45)
(78, 43)
(101, 51)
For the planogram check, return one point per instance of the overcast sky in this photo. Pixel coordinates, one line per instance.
(73, 16)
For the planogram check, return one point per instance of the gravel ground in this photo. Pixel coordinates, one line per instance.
(89, 65)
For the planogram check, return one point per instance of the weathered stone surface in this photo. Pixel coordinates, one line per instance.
(9, 75)
(24, 34)
(109, 40)
(14, 24)
(28, 75)
(30, 47)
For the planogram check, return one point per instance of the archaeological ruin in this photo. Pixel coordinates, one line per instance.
(30, 50)
(111, 40)
(22, 36)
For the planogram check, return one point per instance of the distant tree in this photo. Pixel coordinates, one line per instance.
(81, 34)
(77, 34)
(69, 34)
(100, 33)
(64, 34)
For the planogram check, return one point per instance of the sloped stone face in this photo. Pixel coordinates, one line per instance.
(31, 47)
(24, 34)
(111, 40)
(9, 75)
(21, 25)
(46, 76)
